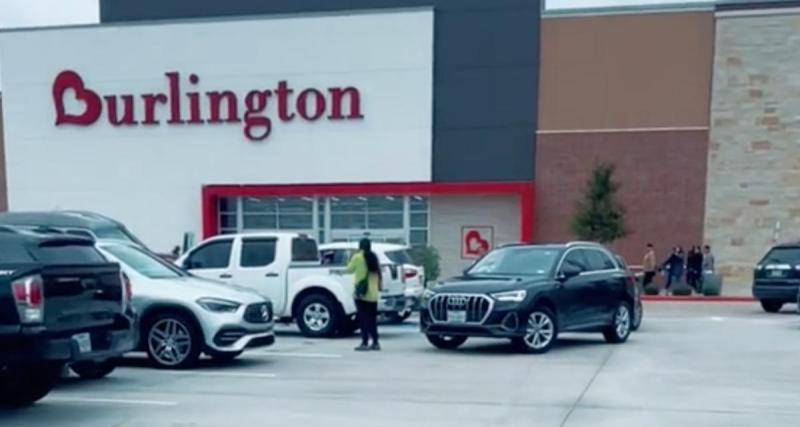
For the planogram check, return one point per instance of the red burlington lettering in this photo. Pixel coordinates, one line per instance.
(255, 103)
(338, 94)
(319, 104)
(93, 105)
(215, 100)
(283, 91)
(215, 107)
(150, 101)
(174, 98)
(113, 115)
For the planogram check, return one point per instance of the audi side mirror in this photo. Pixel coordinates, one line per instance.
(567, 273)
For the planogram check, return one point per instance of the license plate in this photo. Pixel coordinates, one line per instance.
(457, 316)
(776, 273)
(84, 342)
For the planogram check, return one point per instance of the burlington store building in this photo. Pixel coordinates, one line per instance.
(397, 119)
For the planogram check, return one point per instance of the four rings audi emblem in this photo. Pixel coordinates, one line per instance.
(457, 300)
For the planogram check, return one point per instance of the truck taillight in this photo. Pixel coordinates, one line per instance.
(410, 274)
(29, 296)
(127, 289)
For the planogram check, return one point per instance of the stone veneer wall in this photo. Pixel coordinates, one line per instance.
(754, 154)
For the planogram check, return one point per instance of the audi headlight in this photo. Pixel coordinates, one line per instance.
(512, 296)
(217, 305)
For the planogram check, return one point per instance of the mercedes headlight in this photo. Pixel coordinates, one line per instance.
(217, 305)
(512, 296)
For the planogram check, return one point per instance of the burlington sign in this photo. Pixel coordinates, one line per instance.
(213, 107)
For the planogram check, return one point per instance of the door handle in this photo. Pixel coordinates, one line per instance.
(271, 274)
(225, 276)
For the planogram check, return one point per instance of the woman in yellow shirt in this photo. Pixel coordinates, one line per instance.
(367, 282)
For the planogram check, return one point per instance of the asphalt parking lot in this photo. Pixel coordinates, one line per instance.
(690, 364)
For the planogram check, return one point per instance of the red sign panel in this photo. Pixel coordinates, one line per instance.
(476, 240)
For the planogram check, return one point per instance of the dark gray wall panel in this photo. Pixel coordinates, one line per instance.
(486, 73)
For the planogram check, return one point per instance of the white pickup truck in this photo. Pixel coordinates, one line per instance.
(286, 268)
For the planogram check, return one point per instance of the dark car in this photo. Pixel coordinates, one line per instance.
(81, 223)
(61, 303)
(530, 294)
(776, 278)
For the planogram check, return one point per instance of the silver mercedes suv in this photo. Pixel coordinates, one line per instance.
(183, 316)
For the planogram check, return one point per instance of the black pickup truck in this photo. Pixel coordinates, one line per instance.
(61, 304)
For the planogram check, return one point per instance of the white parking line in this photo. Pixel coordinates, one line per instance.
(298, 355)
(111, 401)
(219, 374)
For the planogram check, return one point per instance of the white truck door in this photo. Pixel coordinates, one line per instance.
(261, 265)
(211, 260)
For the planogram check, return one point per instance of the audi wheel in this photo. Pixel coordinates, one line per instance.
(541, 332)
(620, 328)
(446, 342)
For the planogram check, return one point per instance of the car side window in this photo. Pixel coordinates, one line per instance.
(574, 259)
(216, 254)
(598, 260)
(258, 252)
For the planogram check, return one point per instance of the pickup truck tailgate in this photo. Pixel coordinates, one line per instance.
(81, 296)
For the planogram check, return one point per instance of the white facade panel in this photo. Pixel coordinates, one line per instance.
(377, 67)
(450, 215)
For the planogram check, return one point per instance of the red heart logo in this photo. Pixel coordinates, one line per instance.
(65, 81)
(476, 245)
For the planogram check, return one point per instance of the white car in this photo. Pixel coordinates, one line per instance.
(403, 284)
(182, 316)
(284, 267)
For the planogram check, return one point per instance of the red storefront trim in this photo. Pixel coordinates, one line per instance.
(524, 190)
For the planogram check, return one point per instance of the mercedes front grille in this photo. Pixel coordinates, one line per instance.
(476, 307)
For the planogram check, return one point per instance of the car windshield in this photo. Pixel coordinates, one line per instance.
(399, 257)
(783, 256)
(144, 263)
(517, 261)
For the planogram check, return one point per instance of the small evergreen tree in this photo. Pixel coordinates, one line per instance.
(598, 217)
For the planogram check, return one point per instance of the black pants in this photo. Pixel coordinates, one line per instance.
(368, 320)
(648, 278)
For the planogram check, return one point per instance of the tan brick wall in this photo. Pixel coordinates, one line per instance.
(754, 155)
(450, 213)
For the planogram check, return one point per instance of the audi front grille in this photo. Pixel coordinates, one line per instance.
(476, 307)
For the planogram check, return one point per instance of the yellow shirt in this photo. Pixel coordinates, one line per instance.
(358, 266)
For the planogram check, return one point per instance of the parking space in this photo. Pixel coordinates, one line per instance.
(691, 364)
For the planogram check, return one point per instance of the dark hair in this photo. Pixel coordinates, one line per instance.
(707, 247)
(373, 266)
(649, 245)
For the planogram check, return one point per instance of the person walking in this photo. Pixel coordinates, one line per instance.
(708, 260)
(694, 268)
(649, 265)
(674, 267)
(367, 280)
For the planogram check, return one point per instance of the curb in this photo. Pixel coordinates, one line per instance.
(698, 299)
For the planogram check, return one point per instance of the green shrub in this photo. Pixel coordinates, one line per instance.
(427, 257)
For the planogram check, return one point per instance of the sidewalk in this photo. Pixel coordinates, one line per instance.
(737, 292)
